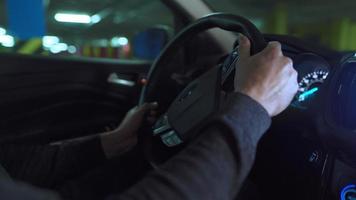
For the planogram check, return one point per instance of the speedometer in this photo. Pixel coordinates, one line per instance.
(310, 84)
(312, 71)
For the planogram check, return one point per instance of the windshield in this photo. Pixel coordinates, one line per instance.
(329, 23)
(124, 29)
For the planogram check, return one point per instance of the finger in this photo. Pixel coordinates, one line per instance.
(151, 120)
(153, 113)
(244, 47)
(274, 48)
(152, 106)
(148, 106)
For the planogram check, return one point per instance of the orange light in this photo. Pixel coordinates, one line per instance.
(143, 81)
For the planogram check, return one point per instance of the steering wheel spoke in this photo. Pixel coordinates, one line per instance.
(171, 139)
(162, 126)
(163, 129)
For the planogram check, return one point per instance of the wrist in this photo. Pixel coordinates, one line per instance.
(254, 95)
(240, 108)
(114, 144)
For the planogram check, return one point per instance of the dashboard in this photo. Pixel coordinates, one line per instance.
(322, 86)
(313, 71)
(332, 165)
(326, 98)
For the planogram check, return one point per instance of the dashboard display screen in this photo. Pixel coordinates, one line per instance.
(344, 103)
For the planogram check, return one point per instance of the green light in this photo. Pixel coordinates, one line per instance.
(308, 93)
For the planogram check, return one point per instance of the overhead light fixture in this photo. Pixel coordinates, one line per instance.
(95, 19)
(72, 49)
(2, 31)
(7, 40)
(77, 18)
(49, 41)
(119, 41)
(57, 48)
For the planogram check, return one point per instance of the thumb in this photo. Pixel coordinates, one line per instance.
(244, 47)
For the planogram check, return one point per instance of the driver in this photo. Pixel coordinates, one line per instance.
(217, 163)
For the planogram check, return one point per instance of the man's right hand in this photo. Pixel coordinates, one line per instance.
(268, 77)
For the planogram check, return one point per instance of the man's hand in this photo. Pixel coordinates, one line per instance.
(124, 137)
(268, 77)
(133, 119)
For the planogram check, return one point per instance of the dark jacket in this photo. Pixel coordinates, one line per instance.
(213, 167)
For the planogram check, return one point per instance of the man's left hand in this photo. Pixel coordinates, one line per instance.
(124, 138)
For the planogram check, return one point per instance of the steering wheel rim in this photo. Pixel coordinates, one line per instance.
(228, 22)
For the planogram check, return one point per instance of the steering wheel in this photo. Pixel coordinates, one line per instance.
(183, 115)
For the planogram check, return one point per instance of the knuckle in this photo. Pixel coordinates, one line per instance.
(291, 70)
(274, 49)
(296, 87)
(288, 61)
(275, 45)
(295, 72)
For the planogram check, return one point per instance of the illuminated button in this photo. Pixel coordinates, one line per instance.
(348, 192)
(143, 81)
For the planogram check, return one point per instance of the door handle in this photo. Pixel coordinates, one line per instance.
(115, 79)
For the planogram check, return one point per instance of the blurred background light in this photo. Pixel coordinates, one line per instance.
(49, 41)
(77, 18)
(2, 31)
(72, 49)
(57, 48)
(7, 40)
(72, 18)
(119, 41)
(95, 19)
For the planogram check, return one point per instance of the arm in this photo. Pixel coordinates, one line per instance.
(45, 165)
(51, 164)
(215, 166)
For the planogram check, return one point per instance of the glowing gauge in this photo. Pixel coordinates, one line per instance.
(310, 84)
(312, 70)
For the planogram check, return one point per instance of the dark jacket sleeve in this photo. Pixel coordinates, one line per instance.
(10, 190)
(215, 166)
(50, 164)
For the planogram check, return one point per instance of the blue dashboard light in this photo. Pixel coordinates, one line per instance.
(308, 93)
(346, 191)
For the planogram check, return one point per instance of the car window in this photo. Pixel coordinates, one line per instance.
(330, 23)
(125, 29)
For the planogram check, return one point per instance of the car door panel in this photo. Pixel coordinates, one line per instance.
(45, 99)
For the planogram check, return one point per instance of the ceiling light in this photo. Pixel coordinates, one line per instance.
(77, 18)
(2, 31)
(49, 41)
(95, 19)
(57, 48)
(73, 18)
(119, 41)
(72, 49)
(7, 40)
